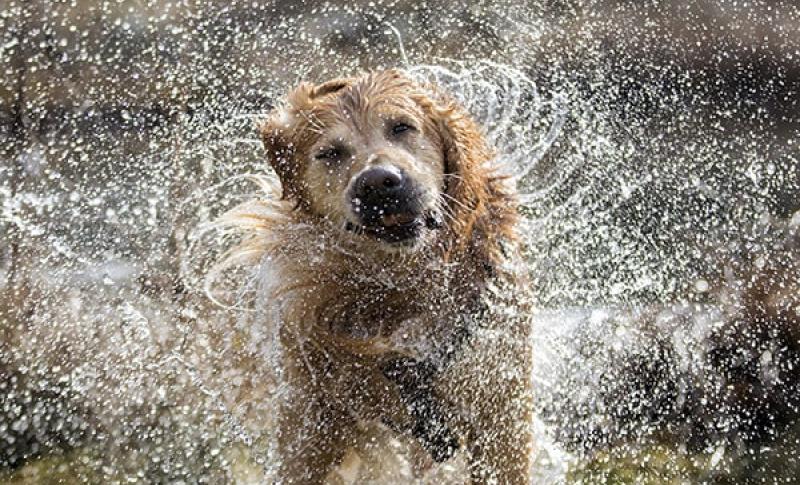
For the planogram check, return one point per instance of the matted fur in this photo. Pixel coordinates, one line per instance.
(343, 304)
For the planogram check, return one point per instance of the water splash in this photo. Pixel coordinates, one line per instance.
(645, 169)
(518, 121)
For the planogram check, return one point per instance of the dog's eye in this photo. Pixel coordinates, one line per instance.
(329, 154)
(399, 128)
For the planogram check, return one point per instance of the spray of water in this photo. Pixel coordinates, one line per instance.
(644, 191)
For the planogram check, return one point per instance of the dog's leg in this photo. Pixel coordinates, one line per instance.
(490, 384)
(313, 432)
(501, 442)
(413, 379)
(312, 439)
(330, 393)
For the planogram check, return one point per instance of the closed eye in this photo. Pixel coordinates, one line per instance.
(400, 128)
(328, 154)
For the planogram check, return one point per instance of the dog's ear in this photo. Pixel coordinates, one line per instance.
(476, 194)
(465, 151)
(277, 133)
(331, 87)
(287, 130)
(465, 159)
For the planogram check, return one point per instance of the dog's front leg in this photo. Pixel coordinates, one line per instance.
(490, 384)
(501, 442)
(312, 440)
(313, 432)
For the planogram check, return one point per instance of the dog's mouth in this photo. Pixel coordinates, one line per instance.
(396, 228)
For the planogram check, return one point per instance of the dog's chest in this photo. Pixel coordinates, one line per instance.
(370, 313)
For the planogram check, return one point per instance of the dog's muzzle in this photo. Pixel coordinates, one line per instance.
(388, 205)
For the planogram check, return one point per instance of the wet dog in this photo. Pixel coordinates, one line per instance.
(394, 285)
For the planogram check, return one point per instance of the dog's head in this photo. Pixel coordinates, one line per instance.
(380, 157)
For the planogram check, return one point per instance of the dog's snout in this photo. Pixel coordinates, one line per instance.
(381, 181)
(385, 196)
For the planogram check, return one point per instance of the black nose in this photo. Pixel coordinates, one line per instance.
(379, 182)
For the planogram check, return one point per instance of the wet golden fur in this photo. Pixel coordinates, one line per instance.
(344, 302)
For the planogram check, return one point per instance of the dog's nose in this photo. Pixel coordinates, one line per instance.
(381, 181)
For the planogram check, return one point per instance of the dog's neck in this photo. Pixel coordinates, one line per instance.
(350, 285)
(360, 292)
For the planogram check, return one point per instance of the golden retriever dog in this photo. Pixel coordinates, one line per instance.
(394, 281)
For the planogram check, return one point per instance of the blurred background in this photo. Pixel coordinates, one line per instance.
(662, 221)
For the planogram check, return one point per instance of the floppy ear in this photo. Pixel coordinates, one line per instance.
(465, 158)
(465, 153)
(483, 209)
(286, 131)
(331, 87)
(276, 133)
